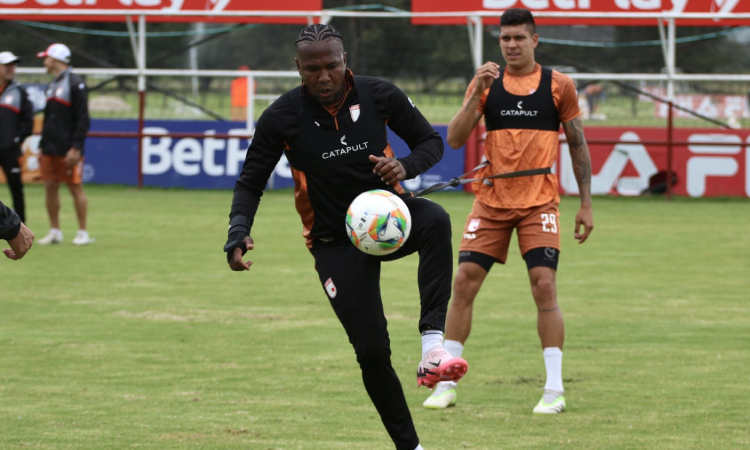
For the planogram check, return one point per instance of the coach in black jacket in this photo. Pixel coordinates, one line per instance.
(333, 132)
(16, 123)
(66, 122)
(15, 232)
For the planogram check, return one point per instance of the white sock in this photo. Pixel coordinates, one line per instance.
(83, 232)
(57, 231)
(553, 364)
(419, 447)
(430, 340)
(455, 348)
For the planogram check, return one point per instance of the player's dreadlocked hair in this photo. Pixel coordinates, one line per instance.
(518, 16)
(317, 32)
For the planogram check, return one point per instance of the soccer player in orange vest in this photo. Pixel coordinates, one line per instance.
(523, 106)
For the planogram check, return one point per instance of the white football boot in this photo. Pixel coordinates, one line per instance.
(53, 237)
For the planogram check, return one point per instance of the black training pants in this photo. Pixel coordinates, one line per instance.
(12, 168)
(351, 279)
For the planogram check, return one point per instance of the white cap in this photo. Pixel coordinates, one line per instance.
(58, 51)
(8, 58)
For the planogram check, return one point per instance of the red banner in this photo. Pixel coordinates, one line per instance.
(708, 163)
(166, 7)
(587, 6)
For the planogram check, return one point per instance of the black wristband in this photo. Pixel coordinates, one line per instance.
(236, 240)
(239, 224)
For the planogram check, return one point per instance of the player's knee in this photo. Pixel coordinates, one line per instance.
(439, 224)
(463, 287)
(544, 290)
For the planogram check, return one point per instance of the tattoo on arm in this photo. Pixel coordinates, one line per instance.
(579, 155)
(549, 310)
(471, 104)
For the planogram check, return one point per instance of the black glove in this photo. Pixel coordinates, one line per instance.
(239, 228)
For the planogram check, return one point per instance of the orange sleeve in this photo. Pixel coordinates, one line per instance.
(482, 101)
(565, 96)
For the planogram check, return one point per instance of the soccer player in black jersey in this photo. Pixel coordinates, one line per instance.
(333, 131)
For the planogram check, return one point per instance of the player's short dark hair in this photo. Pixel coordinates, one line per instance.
(318, 32)
(518, 16)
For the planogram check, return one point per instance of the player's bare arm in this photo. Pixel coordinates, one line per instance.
(579, 155)
(467, 117)
(390, 169)
(72, 157)
(236, 263)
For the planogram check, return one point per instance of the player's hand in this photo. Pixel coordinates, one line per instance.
(20, 244)
(72, 157)
(486, 75)
(584, 218)
(236, 263)
(390, 169)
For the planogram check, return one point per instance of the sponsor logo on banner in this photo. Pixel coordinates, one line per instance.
(331, 288)
(191, 156)
(713, 163)
(633, 7)
(168, 6)
(354, 111)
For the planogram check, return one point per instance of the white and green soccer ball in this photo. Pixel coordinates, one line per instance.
(378, 222)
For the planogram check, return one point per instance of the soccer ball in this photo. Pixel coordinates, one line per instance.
(378, 222)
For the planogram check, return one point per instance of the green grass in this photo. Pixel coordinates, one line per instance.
(147, 340)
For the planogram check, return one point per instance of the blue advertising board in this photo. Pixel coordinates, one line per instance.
(209, 163)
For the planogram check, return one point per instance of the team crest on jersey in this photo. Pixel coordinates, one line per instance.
(354, 111)
(331, 288)
(473, 225)
(59, 92)
(8, 99)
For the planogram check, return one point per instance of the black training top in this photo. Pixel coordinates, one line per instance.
(16, 119)
(329, 153)
(66, 115)
(10, 223)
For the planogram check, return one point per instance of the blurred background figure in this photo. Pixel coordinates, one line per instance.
(239, 96)
(66, 122)
(595, 94)
(16, 122)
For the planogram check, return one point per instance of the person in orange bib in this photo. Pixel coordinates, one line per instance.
(523, 106)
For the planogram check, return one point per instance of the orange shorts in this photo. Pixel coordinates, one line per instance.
(53, 168)
(488, 230)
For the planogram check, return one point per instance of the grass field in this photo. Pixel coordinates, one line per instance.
(147, 340)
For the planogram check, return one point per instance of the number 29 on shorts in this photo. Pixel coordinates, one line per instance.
(549, 223)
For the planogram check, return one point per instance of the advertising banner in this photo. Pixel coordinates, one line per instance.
(719, 168)
(192, 163)
(166, 7)
(585, 6)
(711, 162)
